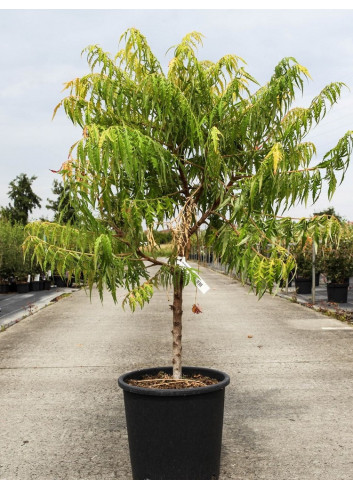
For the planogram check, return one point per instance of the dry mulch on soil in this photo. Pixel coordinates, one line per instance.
(166, 381)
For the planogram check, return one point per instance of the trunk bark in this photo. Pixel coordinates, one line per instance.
(177, 326)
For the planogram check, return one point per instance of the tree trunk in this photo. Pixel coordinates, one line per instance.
(177, 325)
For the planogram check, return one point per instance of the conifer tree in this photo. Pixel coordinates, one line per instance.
(24, 200)
(200, 146)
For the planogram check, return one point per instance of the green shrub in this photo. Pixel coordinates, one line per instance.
(12, 262)
(162, 237)
(337, 262)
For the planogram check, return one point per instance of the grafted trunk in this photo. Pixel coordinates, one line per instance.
(177, 326)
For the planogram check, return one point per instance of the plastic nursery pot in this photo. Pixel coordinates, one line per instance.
(22, 287)
(337, 292)
(34, 285)
(303, 285)
(317, 279)
(62, 282)
(175, 434)
(4, 288)
(47, 284)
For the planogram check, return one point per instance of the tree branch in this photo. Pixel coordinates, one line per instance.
(151, 259)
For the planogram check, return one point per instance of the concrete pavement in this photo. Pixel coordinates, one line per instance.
(288, 406)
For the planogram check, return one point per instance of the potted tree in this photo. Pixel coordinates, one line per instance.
(14, 267)
(199, 147)
(23, 275)
(36, 283)
(303, 257)
(4, 284)
(337, 265)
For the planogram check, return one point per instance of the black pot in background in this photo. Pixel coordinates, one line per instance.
(60, 282)
(291, 278)
(337, 292)
(317, 279)
(4, 288)
(47, 284)
(175, 434)
(13, 287)
(303, 285)
(22, 287)
(34, 286)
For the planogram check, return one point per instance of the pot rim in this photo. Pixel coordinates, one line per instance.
(217, 374)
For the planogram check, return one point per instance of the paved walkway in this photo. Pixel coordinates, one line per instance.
(288, 407)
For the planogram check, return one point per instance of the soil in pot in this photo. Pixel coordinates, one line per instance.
(166, 381)
(175, 434)
(337, 292)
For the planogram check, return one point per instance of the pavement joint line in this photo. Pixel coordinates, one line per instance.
(58, 367)
(238, 365)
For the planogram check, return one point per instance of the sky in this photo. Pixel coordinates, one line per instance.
(41, 49)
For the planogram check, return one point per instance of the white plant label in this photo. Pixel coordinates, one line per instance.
(200, 283)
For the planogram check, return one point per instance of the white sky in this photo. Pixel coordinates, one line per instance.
(41, 49)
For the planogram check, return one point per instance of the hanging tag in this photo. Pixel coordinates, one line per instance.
(200, 283)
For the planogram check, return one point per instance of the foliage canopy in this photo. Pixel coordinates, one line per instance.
(201, 145)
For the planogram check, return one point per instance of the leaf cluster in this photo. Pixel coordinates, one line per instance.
(336, 260)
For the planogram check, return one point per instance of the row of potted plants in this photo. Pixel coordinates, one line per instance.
(18, 273)
(32, 283)
(335, 262)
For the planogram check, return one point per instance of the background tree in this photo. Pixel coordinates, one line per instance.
(12, 262)
(24, 199)
(330, 211)
(200, 146)
(63, 210)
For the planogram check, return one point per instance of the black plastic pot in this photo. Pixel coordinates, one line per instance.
(22, 287)
(61, 282)
(317, 279)
(303, 285)
(291, 278)
(4, 288)
(47, 284)
(175, 434)
(34, 285)
(13, 287)
(337, 292)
